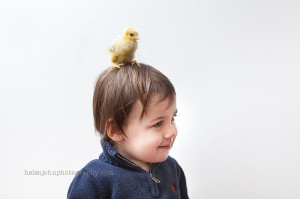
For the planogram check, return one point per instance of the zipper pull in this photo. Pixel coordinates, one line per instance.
(154, 178)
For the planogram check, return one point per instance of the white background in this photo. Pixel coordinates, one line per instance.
(235, 66)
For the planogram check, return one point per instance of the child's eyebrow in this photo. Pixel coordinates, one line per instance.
(162, 117)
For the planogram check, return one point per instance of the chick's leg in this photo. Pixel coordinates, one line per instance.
(135, 62)
(115, 65)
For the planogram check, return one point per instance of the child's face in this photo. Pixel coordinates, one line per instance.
(149, 140)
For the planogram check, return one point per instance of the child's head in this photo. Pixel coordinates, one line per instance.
(134, 109)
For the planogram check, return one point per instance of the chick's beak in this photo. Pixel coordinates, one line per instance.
(136, 37)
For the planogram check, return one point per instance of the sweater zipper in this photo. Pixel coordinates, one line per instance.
(150, 172)
(153, 178)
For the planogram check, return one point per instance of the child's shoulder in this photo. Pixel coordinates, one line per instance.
(94, 165)
(97, 167)
(92, 180)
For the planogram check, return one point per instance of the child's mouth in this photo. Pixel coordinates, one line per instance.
(164, 147)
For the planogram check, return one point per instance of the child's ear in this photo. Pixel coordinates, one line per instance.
(113, 131)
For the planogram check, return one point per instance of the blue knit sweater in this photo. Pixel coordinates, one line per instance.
(113, 176)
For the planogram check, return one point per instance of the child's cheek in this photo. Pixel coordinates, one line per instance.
(153, 142)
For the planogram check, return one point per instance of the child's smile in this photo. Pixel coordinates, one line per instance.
(149, 139)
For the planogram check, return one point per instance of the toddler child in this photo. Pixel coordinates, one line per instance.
(134, 109)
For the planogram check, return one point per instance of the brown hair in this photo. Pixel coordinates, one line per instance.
(117, 89)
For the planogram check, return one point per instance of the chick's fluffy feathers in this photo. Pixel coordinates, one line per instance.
(123, 47)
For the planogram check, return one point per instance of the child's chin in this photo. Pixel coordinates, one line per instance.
(163, 158)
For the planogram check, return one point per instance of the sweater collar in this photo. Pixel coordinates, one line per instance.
(111, 156)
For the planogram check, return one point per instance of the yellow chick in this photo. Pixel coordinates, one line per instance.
(123, 48)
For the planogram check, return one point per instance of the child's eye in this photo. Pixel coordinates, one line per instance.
(173, 118)
(158, 124)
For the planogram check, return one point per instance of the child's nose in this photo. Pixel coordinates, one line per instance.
(171, 131)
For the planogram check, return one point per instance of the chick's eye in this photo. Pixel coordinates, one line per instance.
(131, 34)
(158, 124)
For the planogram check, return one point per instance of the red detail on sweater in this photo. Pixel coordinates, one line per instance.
(173, 187)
